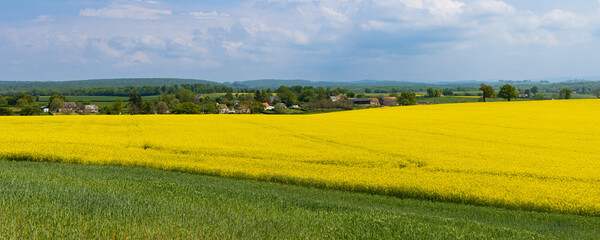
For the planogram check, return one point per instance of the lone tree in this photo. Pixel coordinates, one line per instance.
(488, 91)
(597, 93)
(566, 93)
(507, 92)
(535, 90)
(407, 98)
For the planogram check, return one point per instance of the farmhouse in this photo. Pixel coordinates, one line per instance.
(523, 95)
(336, 98)
(68, 107)
(223, 109)
(45, 109)
(268, 107)
(91, 108)
(242, 109)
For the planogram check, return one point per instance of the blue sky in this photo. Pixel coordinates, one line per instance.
(344, 40)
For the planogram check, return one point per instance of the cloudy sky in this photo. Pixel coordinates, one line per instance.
(344, 40)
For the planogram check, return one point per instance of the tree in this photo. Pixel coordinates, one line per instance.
(30, 110)
(256, 107)
(308, 95)
(321, 93)
(508, 92)
(433, 92)
(117, 107)
(208, 107)
(287, 96)
(4, 111)
(3, 100)
(56, 104)
(407, 98)
(148, 107)
(528, 92)
(350, 94)
(162, 108)
(22, 102)
(566, 93)
(135, 103)
(535, 90)
(448, 92)
(597, 93)
(186, 108)
(229, 96)
(488, 91)
(185, 95)
(55, 96)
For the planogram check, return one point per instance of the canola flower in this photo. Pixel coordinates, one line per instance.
(535, 155)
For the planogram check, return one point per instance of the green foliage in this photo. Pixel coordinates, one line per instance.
(185, 95)
(56, 103)
(287, 96)
(434, 92)
(407, 98)
(508, 92)
(186, 108)
(65, 201)
(4, 111)
(307, 95)
(448, 92)
(488, 91)
(597, 92)
(566, 93)
(321, 93)
(535, 89)
(350, 94)
(539, 96)
(208, 108)
(256, 107)
(148, 107)
(135, 103)
(30, 110)
(117, 107)
(162, 108)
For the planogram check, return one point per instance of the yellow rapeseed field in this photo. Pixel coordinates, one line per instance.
(535, 155)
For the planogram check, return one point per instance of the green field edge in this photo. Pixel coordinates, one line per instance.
(399, 192)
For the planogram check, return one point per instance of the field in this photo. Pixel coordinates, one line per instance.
(533, 155)
(64, 201)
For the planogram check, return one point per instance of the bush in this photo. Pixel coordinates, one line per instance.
(30, 110)
(6, 111)
(186, 108)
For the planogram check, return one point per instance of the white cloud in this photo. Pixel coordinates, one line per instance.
(563, 19)
(490, 7)
(43, 18)
(206, 15)
(125, 12)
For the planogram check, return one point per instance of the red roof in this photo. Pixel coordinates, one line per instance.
(266, 104)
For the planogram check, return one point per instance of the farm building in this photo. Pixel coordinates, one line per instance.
(388, 101)
(242, 109)
(223, 109)
(336, 98)
(91, 108)
(365, 101)
(68, 107)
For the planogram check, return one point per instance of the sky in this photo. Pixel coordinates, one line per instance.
(320, 40)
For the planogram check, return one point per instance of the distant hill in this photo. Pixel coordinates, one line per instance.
(275, 83)
(84, 84)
